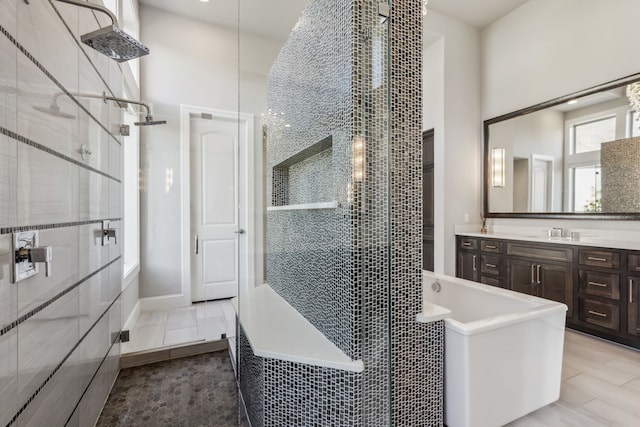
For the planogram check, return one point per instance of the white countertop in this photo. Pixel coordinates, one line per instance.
(588, 240)
(276, 330)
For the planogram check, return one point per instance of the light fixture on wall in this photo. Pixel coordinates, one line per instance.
(424, 6)
(357, 158)
(497, 167)
(633, 95)
(111, 40)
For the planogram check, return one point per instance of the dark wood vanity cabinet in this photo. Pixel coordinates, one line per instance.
(540, 271)
(601, 287)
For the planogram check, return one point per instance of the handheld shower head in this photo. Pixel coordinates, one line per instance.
(111, 40)
(148, 121)
(54, 110)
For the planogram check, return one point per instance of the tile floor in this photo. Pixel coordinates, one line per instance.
(205, 321)
(600, 387)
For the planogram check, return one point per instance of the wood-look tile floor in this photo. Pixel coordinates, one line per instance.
(600, 387)
(202, 322)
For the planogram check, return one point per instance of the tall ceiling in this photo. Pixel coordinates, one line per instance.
(276, 18)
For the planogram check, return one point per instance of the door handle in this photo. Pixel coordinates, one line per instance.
(474, 263)
(240, 231)
(533, 279)
(197, 244)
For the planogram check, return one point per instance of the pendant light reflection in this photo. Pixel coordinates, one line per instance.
(497, 167)
(357, 158)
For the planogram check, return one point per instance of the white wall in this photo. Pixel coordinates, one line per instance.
(549, 48)
(192, 63)
(452, 107)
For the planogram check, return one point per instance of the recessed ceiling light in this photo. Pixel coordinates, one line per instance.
(572, 101)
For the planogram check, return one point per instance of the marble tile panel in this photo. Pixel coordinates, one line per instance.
(144, 338)
(114, 286)
(90, 406)
(92, 304)
(115, 158)
(115, 319)
(115, 199)
(8, 290)
(44, 341)
(91, 254)
(613, 394)
(8, 181)
(91, 351)
(44, 35)
(46, 114)
(39, 289)
(52, 407)
(93, 198)
(612, 415)
(208, 309)
(116, 245)
(605, 372)
(8, 376)
(47, 188)
(8, 65)
(91, 92)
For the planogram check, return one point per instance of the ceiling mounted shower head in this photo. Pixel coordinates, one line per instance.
(111, 40)
(115, 43)
(54, 110)
(148, 121)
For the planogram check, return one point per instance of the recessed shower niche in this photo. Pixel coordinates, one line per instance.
(305, 180)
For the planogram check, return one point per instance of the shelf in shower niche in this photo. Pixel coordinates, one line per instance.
(305, 178)
(305, 206)
(275, 330)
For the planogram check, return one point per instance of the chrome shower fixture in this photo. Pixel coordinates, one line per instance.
(110, 41)
(123, 103)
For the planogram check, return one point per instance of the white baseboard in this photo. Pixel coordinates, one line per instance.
(132, 319)
(166, 302)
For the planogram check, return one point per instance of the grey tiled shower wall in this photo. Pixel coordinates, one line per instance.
(59, 352)
(353, 270)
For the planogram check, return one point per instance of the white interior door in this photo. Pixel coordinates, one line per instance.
(541, 183)
(216, 223)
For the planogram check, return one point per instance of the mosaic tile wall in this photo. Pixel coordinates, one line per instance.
(252, 380)
(620, 167)
(353, 270)
(58, 332)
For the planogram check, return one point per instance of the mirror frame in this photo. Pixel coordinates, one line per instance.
(548, 215)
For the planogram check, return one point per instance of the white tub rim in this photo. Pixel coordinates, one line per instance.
(542, 308)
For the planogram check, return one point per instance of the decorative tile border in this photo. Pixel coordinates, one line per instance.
(48, 150)
(26, 53)
(57, 368)
(7, 328)
(21, 228)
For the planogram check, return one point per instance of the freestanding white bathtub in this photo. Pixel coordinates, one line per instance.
(503, 351)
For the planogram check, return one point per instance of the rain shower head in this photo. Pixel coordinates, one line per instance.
(111, 40)
(54, 110)
(115, 43)
(148, 121)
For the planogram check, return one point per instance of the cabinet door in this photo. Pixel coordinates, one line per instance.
(633, 323)
(468, 265)
(521, 275)
(555, 282)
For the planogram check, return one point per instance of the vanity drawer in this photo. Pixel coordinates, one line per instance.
(633, 260)
(491, 265)
(546, 253)
(468, 244)
(491, 246)
(605, 285)
(601, 314)
(493, 281)
(605, 259)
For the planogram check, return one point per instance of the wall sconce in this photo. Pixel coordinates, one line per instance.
(497, 167)
(357, 158)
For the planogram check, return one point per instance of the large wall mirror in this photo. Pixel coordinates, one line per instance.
(577, 156)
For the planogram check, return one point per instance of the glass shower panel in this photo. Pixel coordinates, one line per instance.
(315, 75)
